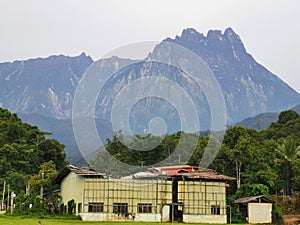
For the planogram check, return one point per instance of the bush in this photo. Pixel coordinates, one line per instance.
(276, 215)
(237, 217)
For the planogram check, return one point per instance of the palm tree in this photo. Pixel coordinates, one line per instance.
(289, 153)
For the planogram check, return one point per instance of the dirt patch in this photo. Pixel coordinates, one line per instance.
(291, 219)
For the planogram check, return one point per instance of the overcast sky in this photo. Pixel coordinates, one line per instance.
(269, 29)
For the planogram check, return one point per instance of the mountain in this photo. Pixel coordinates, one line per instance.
(42, 86)
(263, 120)
(43, 89)
(248, 87)
(297, 109)
(46, 86)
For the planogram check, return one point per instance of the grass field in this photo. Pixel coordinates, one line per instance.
(34, 221)
(20, 221)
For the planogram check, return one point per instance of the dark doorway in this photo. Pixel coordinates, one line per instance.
(176, 212)
(176, 208)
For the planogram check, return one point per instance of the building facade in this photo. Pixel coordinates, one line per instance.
(256, 209)
(177, 193)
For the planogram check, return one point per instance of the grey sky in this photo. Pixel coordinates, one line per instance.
(269, 29)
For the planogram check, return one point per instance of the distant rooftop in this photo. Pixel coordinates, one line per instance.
(180, 171)
(258, 199)
(78, 171)
(174, 170)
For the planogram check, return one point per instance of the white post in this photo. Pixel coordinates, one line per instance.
(12, 202)
(42, 188)
(7, 196)
(2, 206)
(27, 189)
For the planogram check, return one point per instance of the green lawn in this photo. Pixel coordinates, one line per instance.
(34, 221)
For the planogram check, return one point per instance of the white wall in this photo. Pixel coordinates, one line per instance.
(144, 217)
(148, 217)
(260, 213)
(72, 188)
(215, 219)
(165, 213)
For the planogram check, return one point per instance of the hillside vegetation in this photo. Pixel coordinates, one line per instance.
(269, 157)
(25, 152)
(263, 162)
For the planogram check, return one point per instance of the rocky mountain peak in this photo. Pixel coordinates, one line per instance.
(231, 35)
(47, 85)
(247, 86)
(190, 34)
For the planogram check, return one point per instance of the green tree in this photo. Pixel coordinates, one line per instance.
(248, 190)
(286, 116)
(23, 148)
(260, 168)
(199, 150)
(43, 179)
(288, 152)
(237, 141)
(52, 150)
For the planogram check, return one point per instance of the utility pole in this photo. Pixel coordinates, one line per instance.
(7, 196)
(2, 205)
(27, 191)
(12, 202)
(42, 188)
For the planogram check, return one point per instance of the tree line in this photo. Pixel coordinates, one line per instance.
(269, 157)
(28, 160)
(262, 162)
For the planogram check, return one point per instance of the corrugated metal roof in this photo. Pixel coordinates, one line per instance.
(253, 199)
(191, 172)
(141, 175)
(78, 171)
(83, 172)
(177, 170)
(208, 175)
(167, 171)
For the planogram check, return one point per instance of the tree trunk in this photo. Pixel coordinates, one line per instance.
(288, 179)
(238, 166)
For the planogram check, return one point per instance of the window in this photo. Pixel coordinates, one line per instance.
(144, 208)
(215, 210)
(96, 206)
(120, 208)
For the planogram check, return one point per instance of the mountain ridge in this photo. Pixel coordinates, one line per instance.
(46, 86)
(263, 120)
(42, 85)
(237, 71)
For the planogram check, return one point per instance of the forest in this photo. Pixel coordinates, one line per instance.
(269, 157)
(28, 160)
(263, 162)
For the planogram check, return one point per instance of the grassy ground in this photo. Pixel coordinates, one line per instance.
(34, 221)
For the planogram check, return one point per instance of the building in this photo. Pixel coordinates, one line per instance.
(176, 193)
(256, 209)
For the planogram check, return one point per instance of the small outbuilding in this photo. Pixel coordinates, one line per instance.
(257, 209)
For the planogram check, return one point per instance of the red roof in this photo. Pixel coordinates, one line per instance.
(190, 172)
(176, 170)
